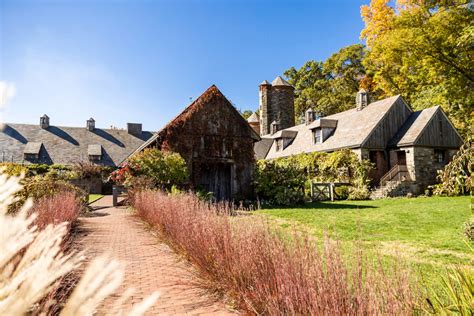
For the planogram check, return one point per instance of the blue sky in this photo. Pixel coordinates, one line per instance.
(141, 61)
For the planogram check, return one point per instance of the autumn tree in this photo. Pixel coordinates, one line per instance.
(331, 86)
(424, 51)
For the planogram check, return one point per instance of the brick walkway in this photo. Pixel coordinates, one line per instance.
(149, 264)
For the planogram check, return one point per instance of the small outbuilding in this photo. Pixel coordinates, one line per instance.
(216, 142)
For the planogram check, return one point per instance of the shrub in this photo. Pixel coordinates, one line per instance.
(456, 177)
(283, 180)
(268, 272)
(163, 169)
(468, 229)
(39, 187)
(279, 182)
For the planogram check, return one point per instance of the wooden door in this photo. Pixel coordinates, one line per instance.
(216, 178)
(401, 158)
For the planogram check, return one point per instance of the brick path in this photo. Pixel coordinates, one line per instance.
(149, 264)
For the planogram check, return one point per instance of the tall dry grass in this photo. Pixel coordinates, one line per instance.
(59, 208)
(269, 272)
(32, 261)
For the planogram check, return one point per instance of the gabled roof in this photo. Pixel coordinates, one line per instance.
(428, 127)
(254, 118)
(66, 145)
(203, 99)
(413, 127)
(353, 128)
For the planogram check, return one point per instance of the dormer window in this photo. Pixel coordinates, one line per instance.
(274, 127)
(318, 135)
(32, 151)
(94, 152)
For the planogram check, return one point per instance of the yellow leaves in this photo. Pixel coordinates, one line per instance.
(377, 17)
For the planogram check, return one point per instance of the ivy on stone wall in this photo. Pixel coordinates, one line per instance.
(285, 181)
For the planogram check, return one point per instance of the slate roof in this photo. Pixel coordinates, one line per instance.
(412, 128)
(279, 81)
(262, 147)
(353, 128)
(66, 145)
(32, 148)
(254, 118)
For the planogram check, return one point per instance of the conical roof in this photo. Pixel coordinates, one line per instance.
(254, 118)
(264, 83)
(279, 81)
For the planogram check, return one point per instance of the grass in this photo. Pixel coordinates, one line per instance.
(268, 272)
(424, 232)
(94, 197)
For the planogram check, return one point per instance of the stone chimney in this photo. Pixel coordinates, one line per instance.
(362, 99)
(90, 124)
(134, 128)
(44, 121)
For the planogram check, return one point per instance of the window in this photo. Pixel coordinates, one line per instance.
(279, 144)
(440, 156)
(318, 136)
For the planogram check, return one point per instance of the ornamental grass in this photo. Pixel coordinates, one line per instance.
(268, 271)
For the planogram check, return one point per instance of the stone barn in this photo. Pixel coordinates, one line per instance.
(216, 142)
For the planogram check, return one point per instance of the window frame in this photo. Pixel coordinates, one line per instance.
(316, 137)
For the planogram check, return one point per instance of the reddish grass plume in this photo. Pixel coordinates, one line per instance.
(64, 206)
(268, 271)
(61, 207)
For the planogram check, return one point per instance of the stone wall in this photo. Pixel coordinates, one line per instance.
(91, 186)
(423, 166)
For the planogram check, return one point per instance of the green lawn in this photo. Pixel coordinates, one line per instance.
(94, 197)
(425, 232)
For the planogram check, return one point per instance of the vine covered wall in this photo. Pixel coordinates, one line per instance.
(286, 181)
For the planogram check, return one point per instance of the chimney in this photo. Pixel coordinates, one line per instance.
(310, 116)
(44, 121)
(274, 127)
(362, 99)
(134, 128)
(90, 124)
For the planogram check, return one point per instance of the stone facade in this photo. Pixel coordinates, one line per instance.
(217, 144)
(423, 164)
(276, 105)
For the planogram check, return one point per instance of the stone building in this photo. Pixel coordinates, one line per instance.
(50, 144)
(406, 146)
(216, 142)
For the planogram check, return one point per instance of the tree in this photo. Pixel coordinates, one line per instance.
(246, 114)
(423, 51)
(329, 87)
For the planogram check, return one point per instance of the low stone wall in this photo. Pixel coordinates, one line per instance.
(91, 186)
